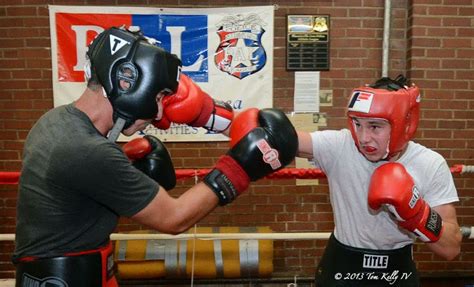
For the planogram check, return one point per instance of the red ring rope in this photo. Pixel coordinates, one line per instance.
(11, 177)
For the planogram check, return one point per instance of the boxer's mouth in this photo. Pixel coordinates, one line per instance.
(369, 149)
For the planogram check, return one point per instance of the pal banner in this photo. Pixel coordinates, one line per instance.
(228, 52)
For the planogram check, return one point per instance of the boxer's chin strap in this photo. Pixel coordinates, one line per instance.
(116, 129)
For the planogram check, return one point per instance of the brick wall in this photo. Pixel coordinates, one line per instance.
(431, 43)
(441, 58)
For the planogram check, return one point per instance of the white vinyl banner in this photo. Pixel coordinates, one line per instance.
(228, 52)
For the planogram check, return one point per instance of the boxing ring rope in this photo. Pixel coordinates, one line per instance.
(286, 173)
(466, 231)
(206, 236)
(11, 177)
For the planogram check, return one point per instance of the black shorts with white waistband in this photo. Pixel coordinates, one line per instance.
(343, 265)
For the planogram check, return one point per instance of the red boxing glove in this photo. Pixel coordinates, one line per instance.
(137, 148)
(192, 106)
(392, 186)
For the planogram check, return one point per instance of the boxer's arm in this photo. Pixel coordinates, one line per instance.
(172, 215)
(449, 245)
(305, 145)
(263, 138)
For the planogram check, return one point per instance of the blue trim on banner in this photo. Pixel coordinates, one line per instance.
(191, 35)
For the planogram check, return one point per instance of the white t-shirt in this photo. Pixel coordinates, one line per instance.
(349, 172)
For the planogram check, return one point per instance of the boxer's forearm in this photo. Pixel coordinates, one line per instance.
(305, 145)
(449, 244)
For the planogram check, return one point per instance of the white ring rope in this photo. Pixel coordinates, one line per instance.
(467, 169)
(206, 236)
(467, 231)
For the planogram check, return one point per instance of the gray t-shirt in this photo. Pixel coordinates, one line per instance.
(74, 185)
(349, 173)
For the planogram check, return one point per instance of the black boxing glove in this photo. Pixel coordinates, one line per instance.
(149, 155)
(262, 142)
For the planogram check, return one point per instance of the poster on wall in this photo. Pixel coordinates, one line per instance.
(228, 52)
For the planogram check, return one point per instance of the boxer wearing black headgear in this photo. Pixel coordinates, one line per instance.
(132, 71)
(75, 183)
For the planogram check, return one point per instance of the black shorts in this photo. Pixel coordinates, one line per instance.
(343, 265)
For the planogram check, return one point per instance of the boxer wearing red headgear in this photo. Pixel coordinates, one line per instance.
(385, 190)
(401, 108)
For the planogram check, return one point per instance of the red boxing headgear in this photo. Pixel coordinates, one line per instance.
(401, 108)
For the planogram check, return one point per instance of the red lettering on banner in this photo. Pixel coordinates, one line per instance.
(74, 32)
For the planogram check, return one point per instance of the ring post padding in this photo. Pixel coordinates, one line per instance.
(217, 258)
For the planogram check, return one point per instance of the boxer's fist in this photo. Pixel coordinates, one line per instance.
(192, 106)
(262, 141)
(149, 155)
(392, 186)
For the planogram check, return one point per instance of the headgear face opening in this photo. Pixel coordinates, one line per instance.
(401, 108)
(133, 71)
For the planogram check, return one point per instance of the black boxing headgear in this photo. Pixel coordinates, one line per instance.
(132, 71)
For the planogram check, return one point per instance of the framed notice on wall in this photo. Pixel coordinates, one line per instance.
(307, 43)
